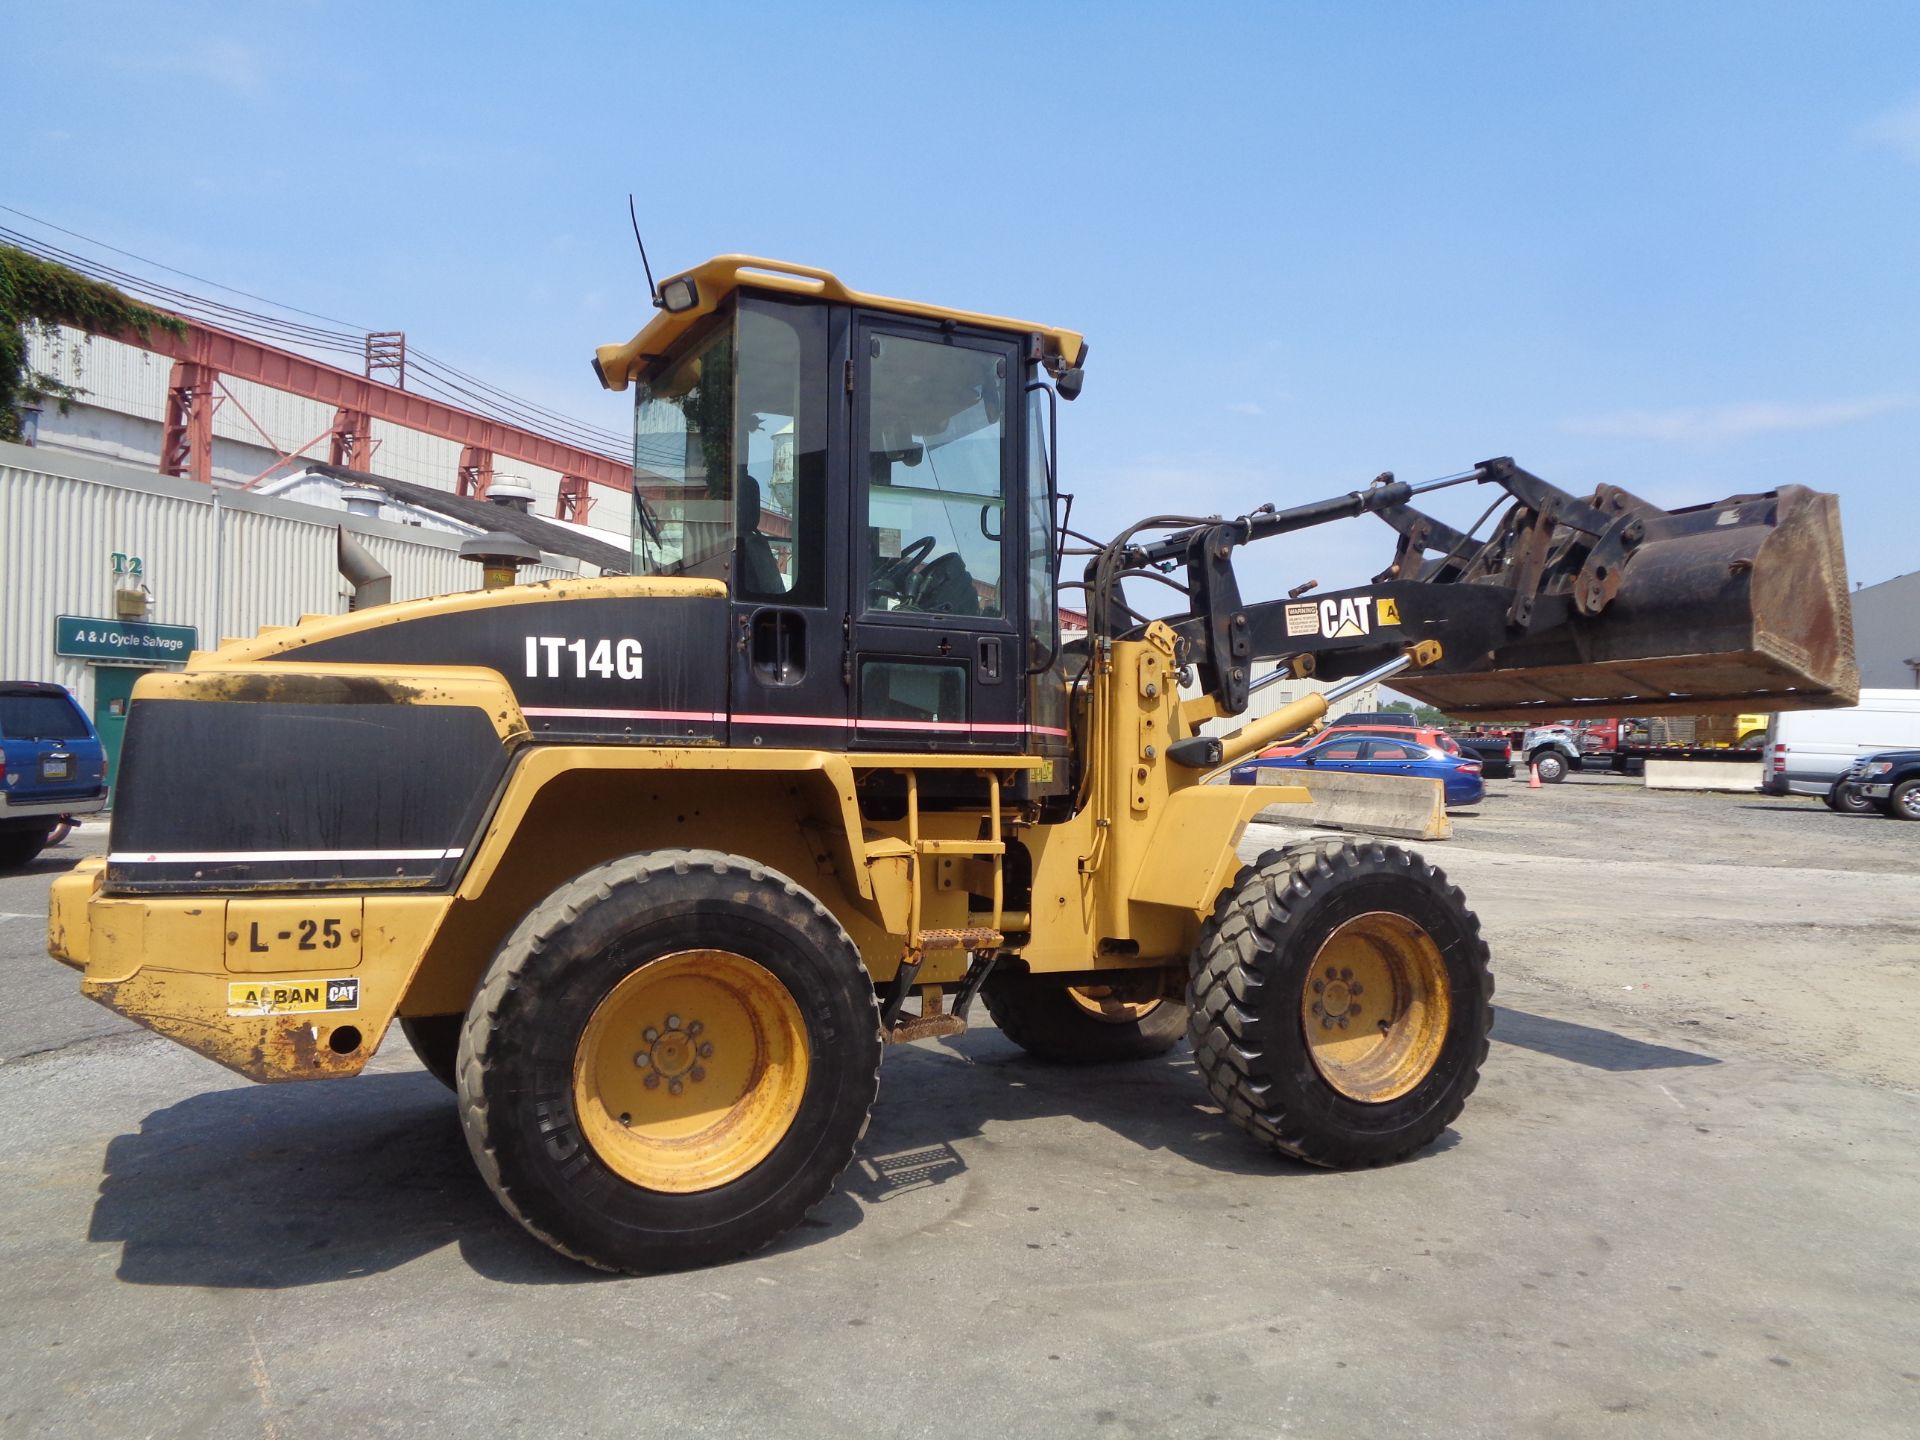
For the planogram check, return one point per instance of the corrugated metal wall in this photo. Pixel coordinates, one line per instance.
(63, 517)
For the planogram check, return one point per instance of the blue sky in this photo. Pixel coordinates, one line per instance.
(1668, 246)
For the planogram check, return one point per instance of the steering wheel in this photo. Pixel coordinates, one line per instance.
(894, 578)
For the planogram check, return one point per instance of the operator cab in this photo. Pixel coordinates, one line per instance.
(872, 480)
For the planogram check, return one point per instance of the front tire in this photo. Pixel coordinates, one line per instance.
(669, 1061)
(1847, 800)
(1552, 766)
(1341, 1002)
(1081, 1025)
(1904, 802)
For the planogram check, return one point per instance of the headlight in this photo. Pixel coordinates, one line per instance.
(679, 293)
(1878, 767)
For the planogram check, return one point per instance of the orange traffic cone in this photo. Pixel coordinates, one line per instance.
(1533, 777)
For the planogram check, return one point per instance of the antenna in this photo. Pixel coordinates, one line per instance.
(652, 289)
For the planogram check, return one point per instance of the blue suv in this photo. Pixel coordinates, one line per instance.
(52, 767)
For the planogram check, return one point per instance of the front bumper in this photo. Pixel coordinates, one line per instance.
(177, 965)
(1872, 792)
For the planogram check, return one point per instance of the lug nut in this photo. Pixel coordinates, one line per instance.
(642, 1059)
(1318, 985)
(673, 1022)
(675, 1087)
(652, 1082)
(698, 1073)
(650, 1035)
(694, 1027)
(705, 1049)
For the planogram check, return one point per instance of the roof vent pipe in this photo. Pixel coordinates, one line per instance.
(511, 492)
(372, 582)
(362, 500)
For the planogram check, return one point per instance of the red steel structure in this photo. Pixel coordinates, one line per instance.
(203, 354)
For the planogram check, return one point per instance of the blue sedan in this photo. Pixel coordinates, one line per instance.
(1364, 754)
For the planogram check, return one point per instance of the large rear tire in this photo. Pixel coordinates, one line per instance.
(669, 1061)
(1341, 1002)
(1081, 1025)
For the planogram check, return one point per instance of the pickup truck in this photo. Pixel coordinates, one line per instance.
(1494, 752)
(1890, 780)
(52, 767)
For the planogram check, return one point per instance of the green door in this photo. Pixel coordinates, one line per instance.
(112, 688)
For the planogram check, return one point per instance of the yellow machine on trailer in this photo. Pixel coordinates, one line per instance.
(650, 868)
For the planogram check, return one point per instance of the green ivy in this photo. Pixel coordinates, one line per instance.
(36, 298)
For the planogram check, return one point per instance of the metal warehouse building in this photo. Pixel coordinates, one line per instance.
(252, 428)
(1886, 632)
(108, 569)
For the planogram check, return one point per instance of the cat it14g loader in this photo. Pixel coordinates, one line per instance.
(650, 868)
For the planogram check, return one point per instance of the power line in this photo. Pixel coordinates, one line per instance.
(455, 386)
(159, 265)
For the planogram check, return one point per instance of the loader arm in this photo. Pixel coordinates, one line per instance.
(1572, 605)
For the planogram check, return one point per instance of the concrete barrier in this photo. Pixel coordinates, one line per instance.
(1737, 776)
(1403, 806)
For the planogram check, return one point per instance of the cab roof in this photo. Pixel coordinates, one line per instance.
(721, 276)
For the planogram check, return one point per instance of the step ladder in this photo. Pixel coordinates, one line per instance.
(982, 942)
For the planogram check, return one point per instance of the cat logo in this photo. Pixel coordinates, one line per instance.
(1347, 619)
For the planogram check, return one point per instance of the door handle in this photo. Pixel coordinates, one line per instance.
(988, 668)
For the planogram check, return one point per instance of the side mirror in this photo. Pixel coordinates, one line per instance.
(1069, 382)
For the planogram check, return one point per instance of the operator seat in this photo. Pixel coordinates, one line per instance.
(759, 573)
(945, 587)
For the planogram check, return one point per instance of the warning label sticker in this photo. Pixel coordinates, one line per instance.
(1303, 619)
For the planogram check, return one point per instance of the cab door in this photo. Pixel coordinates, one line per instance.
(789, 609)
(937, 539)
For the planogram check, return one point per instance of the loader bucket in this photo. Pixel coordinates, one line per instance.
(1737, 606)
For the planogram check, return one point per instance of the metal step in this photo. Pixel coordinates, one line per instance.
(965, 939)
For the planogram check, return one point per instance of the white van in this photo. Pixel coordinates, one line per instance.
(1809, 750)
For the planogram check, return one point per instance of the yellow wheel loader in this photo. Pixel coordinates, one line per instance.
(650, 868)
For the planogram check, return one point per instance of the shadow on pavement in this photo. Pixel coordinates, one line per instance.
(48, 862)
(1588, 1045)
(272, 1186)
(280, 1186)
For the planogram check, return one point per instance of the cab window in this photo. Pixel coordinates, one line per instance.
(780, 448)
(683, 464)
(935, 488)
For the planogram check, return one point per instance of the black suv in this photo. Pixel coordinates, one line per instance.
(1891, 780)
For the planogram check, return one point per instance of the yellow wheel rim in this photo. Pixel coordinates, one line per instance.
(1375, 1007)
(690, 1071)
(1100, 1002)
